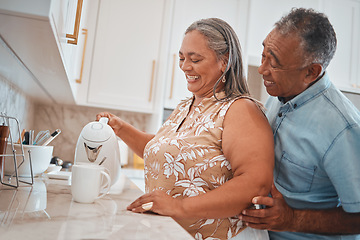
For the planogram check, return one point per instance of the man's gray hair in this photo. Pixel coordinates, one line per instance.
(317, 35)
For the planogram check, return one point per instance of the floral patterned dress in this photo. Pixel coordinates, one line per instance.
(185, 159)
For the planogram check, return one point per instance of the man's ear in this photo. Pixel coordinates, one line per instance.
(314, 71)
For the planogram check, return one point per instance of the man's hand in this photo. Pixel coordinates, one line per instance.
(277, 216)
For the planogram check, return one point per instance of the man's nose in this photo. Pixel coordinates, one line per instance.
(264, 68)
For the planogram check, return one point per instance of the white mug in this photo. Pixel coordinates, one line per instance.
(86, 182)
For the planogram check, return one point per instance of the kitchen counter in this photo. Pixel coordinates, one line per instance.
(46, 211)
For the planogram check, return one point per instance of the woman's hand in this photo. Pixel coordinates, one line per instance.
(115, 122)
(162, 204)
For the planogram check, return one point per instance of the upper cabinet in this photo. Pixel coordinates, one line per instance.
(123, 69)
(36, 32)
(186, 12)
(344, 69)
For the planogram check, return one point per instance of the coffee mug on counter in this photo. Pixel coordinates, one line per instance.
(87, 182)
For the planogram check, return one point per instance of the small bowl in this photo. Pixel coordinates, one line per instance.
(40, 158)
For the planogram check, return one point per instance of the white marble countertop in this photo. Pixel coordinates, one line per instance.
(46, 211)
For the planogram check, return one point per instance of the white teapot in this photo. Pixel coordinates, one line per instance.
(97, 144)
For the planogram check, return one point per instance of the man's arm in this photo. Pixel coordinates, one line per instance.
(278, 216)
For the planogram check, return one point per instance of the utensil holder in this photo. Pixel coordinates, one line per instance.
(13, 156)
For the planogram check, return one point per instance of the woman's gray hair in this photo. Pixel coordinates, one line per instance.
(224, 41)
(316, 34)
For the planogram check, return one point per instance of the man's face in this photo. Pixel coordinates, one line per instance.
(282, 65)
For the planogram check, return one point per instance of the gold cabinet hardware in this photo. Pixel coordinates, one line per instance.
(75, 35)
(152, 79)
(172, 77)
(85, 32)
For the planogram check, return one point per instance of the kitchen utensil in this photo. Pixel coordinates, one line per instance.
(86, 182)
(97, 141)
(41, 137)
(40, 158)
(52, 136)
(4, 134)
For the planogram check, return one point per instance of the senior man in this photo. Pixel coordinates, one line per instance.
(316, 192)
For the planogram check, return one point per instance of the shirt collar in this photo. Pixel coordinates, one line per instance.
(322, 84)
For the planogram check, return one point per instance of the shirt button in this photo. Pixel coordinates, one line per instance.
(280, 114)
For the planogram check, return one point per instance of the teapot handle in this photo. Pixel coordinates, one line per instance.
(104, 120)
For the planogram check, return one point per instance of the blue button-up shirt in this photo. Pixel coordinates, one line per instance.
(317, 152)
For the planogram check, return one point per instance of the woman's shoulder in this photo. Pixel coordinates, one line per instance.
(246, 107)
(247, 103)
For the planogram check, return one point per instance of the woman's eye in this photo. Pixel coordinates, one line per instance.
(181, 59)
(195, 61)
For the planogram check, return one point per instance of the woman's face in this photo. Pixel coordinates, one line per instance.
(199, 63)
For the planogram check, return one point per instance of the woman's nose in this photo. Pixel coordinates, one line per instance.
(185, 65)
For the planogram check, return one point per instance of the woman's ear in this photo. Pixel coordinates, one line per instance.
(314, 71)
(224, 61)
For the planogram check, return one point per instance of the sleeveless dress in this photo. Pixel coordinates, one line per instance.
(185, 159)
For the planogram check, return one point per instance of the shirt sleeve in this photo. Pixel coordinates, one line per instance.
(342, 164)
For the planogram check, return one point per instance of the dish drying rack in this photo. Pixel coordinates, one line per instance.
(14, 155)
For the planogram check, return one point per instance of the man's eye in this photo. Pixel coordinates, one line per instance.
(195, 61)
(181, 59)
(262, 58)
(273, 65)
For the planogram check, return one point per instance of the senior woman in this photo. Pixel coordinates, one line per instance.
(215, 151)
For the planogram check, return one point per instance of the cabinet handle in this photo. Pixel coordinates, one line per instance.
(75, 35)
(85, 32)
(172, 77)
(152, 80)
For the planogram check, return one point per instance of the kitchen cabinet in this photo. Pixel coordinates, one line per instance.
(186, 12)
(35, 32)
(123, 73)
(344, 69)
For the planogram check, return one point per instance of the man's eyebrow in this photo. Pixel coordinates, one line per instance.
(273, 54)
(276, 59)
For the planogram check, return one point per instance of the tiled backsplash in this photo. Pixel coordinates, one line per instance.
(70, 119)
(16, 104)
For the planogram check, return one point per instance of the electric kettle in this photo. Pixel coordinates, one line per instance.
(97, 144)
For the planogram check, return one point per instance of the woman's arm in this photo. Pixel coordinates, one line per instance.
(135, 139)
(248, 145)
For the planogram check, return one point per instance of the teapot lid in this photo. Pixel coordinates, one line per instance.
(97, 131)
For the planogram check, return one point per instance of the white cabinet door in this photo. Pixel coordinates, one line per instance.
(126, 52)
(344, 68)
(185, 13)
(68, 19)
(31, 35)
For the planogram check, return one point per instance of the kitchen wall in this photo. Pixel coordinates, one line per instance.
(70, 119)
(15, 103)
